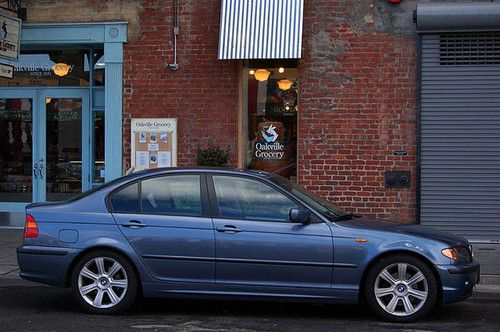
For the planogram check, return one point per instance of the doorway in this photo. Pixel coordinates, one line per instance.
(44, 145)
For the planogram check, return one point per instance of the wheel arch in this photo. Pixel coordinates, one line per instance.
(376, 259)
(89, 250)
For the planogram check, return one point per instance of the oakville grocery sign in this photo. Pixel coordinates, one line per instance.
(268, 145)
(10, 35)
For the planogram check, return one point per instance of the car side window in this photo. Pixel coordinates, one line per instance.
(126, 200)
(178, 195)
(249, 199)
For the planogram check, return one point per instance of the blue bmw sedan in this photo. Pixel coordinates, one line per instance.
(236, 235)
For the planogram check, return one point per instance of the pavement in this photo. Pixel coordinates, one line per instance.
(30, 306)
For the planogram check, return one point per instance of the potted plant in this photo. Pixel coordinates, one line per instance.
(212, 156)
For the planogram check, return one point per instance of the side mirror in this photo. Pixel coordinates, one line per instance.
(300, 216)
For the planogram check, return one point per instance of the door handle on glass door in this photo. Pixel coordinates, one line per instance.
(41, 168)
(228, 229)
(35, 166)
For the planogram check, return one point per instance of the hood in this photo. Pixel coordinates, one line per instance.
(414, 230)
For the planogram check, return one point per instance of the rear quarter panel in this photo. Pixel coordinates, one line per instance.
(78, 227)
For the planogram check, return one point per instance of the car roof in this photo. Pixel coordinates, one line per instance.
(169, 170)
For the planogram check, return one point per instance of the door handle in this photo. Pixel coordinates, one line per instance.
(228, 229)
(35, 166)
(41, 169)
(134, 224)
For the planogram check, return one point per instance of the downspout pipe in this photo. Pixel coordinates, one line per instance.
(175, 65)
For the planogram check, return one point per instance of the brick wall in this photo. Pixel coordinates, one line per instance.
(357, 106)
(202, 94)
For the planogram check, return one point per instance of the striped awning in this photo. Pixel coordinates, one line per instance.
(261, 29)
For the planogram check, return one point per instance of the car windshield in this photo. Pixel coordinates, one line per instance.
(327, 209)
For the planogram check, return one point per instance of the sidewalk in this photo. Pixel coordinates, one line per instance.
(10, 239)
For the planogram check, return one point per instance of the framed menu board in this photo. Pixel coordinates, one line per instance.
(154, 143)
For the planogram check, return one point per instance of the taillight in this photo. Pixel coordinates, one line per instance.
(30, 228)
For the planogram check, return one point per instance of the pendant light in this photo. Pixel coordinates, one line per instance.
(262, 74)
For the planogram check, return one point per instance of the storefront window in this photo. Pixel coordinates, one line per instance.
(49, 68)
(64, 147)
(16, 149)
(270, 119)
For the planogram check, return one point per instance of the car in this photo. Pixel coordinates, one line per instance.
(236, 234)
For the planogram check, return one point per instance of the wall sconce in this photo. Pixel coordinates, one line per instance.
(285, 84)
(61, 69)
(262, 74)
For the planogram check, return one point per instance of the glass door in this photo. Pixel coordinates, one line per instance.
(18, 147)
(63, 161)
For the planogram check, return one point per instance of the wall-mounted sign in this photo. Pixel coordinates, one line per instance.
(10, 36)
(6, 71)
(154, 143)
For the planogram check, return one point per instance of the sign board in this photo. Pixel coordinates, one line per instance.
(6, 71)
(10, 36)
(154, 143)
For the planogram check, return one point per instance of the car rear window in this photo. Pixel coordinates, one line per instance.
(126, 200)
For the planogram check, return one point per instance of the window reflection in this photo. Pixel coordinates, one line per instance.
(15, 149)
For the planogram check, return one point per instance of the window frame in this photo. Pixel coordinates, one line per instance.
(214, 202)
(205, 205)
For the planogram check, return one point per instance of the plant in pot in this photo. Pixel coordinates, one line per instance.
(212, 156)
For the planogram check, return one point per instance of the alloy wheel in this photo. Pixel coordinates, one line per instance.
(102, 282)
(401, 289)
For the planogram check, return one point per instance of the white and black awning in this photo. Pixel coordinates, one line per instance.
(261, 29)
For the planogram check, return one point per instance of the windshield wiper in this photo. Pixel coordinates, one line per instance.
(347, 216)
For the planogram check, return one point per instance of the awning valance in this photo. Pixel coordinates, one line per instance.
(260, 29)
(460, 16)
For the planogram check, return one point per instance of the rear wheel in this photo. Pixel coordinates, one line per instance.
(104, 282)
(401, 288)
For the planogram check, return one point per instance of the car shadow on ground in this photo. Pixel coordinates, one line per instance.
(52, 300)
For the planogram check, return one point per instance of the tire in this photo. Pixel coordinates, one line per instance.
(100, 292)
(401, 299)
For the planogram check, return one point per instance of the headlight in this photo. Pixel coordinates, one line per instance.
(461, 255)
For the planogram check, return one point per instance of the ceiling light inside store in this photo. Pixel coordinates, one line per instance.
(281, 70)
(61, 69)
(251, 71)
(285, 84)
(262, 74)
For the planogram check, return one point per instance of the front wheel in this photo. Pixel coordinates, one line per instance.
(104, 282)
(401, 288)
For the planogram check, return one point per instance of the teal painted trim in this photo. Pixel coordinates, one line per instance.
(73, 33)
(113, 55)
(13, 207)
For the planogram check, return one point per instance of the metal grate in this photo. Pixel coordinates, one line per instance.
(469, 49)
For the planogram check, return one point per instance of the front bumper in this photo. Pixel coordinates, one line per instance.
(47, 265)
(458, 281)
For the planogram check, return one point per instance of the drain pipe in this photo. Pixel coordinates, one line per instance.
(175, 65)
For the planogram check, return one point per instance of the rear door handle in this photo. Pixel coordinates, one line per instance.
(134, 224)
(228, 229)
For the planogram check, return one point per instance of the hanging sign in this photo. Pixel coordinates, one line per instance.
(10, 36)
(154, 143)
(6, 71)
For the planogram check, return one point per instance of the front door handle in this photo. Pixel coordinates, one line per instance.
(35, 167)
(228, 229)
(134, 224)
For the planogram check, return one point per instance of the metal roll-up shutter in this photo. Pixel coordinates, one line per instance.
(460, 134)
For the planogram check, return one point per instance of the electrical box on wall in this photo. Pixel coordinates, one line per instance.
(397, 179)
